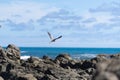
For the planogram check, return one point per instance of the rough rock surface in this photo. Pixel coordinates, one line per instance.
(63, 67)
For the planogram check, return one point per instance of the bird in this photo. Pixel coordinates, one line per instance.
(53, 39)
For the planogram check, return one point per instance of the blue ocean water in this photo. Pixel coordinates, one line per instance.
(77, 53)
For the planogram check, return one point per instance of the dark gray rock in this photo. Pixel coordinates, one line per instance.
(87, 64)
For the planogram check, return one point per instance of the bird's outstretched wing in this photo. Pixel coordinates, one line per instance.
(50, 36)
(58, 37)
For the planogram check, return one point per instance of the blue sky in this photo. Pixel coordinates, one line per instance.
(82, 23)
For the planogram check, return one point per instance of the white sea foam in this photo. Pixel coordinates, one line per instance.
(24, 57)
(23, 51)
(84, 56)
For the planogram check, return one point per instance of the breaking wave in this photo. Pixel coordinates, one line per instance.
(84, 56)
(24, 51)
(24, 57)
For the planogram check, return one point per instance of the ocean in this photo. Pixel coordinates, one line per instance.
(76, 53)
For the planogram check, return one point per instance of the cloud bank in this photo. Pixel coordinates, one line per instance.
(97, 27)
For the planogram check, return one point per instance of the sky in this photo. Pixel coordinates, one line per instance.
(82, 23)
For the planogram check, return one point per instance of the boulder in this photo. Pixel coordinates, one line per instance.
(63, 60)
(99, 58)
(65, 56)
(13, 51)
(33, 60)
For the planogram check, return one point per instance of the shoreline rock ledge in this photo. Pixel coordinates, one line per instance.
(63, 67)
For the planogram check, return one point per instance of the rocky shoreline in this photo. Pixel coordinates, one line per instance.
(63, 67)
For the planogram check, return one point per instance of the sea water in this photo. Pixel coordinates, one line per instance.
(76, 53)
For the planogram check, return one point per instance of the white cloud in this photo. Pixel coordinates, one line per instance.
(31, 19)
(25, 11)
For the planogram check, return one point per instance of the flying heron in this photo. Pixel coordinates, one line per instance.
(53, 39)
